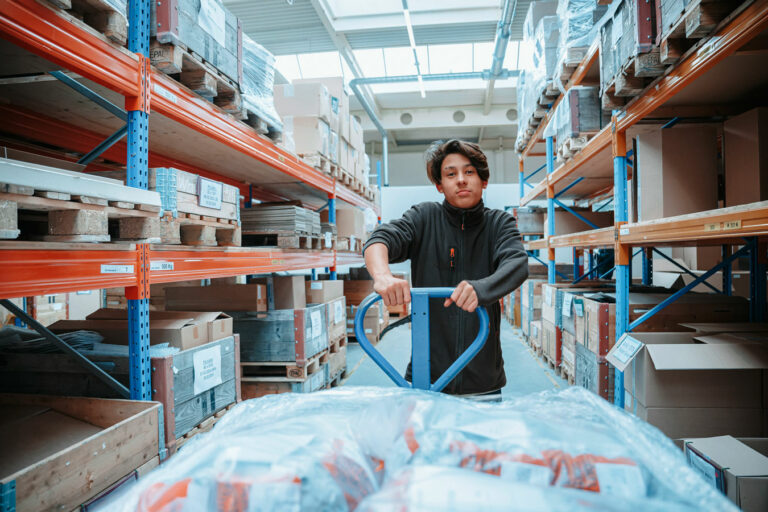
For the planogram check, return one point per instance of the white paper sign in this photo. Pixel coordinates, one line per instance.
(626, 349)
(338, 312)
(707, 470)
(213, 20)
(207, 366)
(117, 269)
(160, 265)
(209, 193)
(317, 324)
(165, 93)
(579, 308)
(567, 303)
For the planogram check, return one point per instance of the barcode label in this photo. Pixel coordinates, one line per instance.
(712, 227)
(734, 224)
(160, 265)
(117, 269)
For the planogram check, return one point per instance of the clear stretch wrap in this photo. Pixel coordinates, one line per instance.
(395, 449)
(578, 114)
(577, 22)
(258, 82)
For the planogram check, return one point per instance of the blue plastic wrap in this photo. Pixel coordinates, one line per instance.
(258, 82)
(395, 449)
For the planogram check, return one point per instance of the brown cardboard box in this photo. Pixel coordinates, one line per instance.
(349, 223)
(675, 370)
(187, 330)
(320, 292)
(736, 467)
(566, 223)
(552, 342)
(356, 291)
(336, 315)
(677, 422)
(373, 323)
(290, 292)
(300, 100)
(746, 157)
(238, 297)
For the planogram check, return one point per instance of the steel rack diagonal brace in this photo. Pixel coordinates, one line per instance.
(685, 270)
(575, 214)
(563, 276)
(66, 348)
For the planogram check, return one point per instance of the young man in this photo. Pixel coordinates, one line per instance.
(459, 244)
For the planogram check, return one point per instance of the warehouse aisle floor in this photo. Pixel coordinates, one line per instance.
(526, 373)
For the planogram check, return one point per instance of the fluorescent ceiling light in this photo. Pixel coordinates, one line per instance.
(409, 28)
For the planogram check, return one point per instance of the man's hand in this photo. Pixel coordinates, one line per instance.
(393, 291)
(464, 296)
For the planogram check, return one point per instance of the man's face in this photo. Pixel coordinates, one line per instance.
(460, 182)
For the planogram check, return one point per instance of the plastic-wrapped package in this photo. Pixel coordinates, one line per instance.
(545, 48)
(396, 449)
(577, 22)
(258, 82)
(578, 116)
(288, 142)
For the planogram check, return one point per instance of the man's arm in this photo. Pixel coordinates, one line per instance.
(393, 291)
(511, 262)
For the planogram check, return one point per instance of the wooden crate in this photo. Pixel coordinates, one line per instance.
(59, 452)
(552, 343)
(569, 353)
(593, 372)
(336, 315)
(357, 290)
(286, 335)
(173, 381)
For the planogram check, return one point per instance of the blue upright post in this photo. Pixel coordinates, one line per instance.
(577, 253)
(622, 253)
(648, 267)
(521, 165)
(137, 152)
(727, 272)
(551, 277)
(757, 281)
(378, 175)
(332, 221)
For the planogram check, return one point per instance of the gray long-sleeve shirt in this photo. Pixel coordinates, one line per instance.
(447, 245)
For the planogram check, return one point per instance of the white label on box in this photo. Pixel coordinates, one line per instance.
(707, 470)
(160, 265)
(207, 365)
(579, 308)
(624, 231)
(213, 20)
(621, 480)
(316, 285)
(626, 349)
(117, 269)
(368, 331)
(84, 292)
(317, 324)
(209, 193)
(165, 93)
(328, 240)
(567, 302)
(338, 312)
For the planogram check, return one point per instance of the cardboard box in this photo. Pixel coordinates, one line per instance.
(184, 330)
(745, 141)
(303, 100)
(681, 422)
(319, 292)
(339, 98)
(349, 223)
(535, 335)
(312, 135)
(593, 372)
(566, 223)
(336, 314)
(374, 321)
(356, 291)
(290, 292)
(736, 467)
(552, 342)
(238, 297)
(355, 134)
(677, 370)
(672, 179)
(569, 352)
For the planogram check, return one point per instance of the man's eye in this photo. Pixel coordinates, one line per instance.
(469, 171)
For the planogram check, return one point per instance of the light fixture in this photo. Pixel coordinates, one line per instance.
(412, 40)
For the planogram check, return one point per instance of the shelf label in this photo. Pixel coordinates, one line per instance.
(209, 193)
(207, 365)
(624, 231)
(715, 226)
(278, 262)
(117, 269)
(733, 224)
(625, 350)
(165, 93)
(160, 265)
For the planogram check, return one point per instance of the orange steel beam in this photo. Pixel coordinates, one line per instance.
(343, 193)
(533, 245)
(348, 258)
(581, 71)
(589, 239)
(728, 224)
(740, 30)
(194, 264)
(28, 270)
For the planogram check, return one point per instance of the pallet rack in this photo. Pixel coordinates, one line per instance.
(162, 112)
(600, 171)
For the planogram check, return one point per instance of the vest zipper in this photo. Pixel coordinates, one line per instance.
(460, 333)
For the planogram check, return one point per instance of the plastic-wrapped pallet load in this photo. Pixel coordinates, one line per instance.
(258, 82)
(578, 116)
(395, 449)
(578, 28)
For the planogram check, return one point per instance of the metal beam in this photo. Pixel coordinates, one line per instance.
(503, 31)
(91, 95)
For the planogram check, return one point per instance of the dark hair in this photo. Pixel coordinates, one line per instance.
(441, 149)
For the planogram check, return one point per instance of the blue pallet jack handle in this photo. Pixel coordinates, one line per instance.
(420, 367)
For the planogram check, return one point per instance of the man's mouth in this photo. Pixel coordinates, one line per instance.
(463, 193)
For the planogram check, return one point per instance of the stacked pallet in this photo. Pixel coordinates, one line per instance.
(331, 295)
(285, 225)
(577, 118)
(110, 17)
(256, 85)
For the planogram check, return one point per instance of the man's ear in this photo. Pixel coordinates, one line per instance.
(440, 188)
(485, 185)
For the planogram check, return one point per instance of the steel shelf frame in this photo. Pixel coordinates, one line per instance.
(36, 269)
(745, 226)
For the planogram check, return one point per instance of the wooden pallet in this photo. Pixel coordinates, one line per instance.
(191, 70)
(337, 380)
(261, 125)
(32, 214)
(345, 244)
(335, 345)
(347, 179)
(200, 230)
(290, 370)
(698, 20)
(320, 162)
(255, 387)
(99, 15)
(204, 426)
(632, 79)
(570, 62)
(572, 145)
(282, 239)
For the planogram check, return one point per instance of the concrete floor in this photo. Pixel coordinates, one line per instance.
(526, 373)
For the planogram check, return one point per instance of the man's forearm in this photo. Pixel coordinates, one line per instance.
(377, 260)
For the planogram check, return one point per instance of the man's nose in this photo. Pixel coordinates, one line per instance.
(462, 177)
